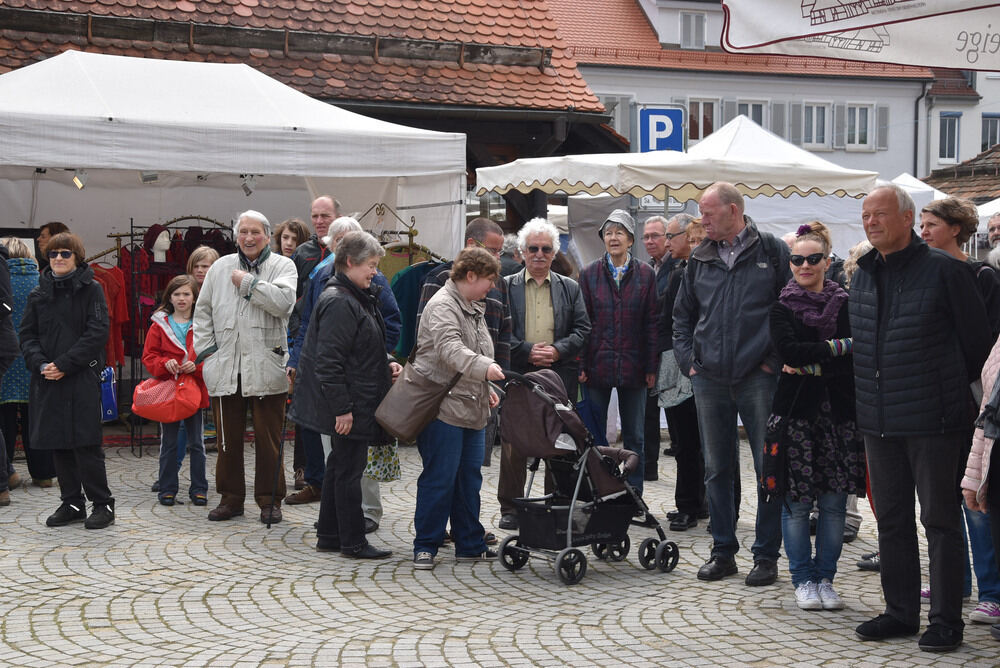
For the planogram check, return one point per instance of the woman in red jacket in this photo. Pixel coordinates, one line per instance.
(168, 352)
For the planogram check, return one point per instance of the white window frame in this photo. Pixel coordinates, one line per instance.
(621, 115)
(809, 129)
(750, 104)
(698, 102)
(991, 127)
(853, 132)
(693, 40)
(954, 119)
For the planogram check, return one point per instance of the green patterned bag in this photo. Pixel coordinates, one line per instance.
(383, 463)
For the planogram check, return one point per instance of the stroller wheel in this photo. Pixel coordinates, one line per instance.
(618, 551)
(666, 556)
(647, 553)
(571, 565)
(600, 550)
(512, 555)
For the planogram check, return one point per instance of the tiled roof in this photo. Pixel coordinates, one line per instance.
(977, 179)
(951, 83)
(618, 33)
(344, 76)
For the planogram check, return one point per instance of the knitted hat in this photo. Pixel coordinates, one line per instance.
(620, 217)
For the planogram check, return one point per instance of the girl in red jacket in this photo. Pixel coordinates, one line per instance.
(169, 351)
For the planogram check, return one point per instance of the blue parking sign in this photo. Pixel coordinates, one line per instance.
(661, 129)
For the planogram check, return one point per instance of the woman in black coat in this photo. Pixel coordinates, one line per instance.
(343, 375)
(63, 334)
(814, 416)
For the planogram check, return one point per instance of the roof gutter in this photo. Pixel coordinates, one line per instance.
(469, 113)
(916, 127)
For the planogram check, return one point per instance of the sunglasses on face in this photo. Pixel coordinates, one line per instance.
(64, 254)
(813, 259)
(545, 249)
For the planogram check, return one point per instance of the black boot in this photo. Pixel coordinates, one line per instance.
(67, 513)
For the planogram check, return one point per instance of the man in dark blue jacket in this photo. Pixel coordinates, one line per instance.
(722, 342)
(921, 336)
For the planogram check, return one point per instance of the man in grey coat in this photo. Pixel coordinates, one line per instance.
(549, 327)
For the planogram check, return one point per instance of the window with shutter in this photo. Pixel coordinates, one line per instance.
(948, 127)
(882, 129)
(859, 126)
(815, 125)
(778, 119)
(795, 123)
(692, 30)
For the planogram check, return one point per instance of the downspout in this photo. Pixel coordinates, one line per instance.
(916, 130)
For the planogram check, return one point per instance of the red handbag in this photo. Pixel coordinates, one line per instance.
(169, 400)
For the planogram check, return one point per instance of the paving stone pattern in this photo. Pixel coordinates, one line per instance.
(164, 586)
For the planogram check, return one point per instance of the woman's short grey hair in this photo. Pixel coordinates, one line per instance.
(357, 247)
(340, 227)
(537, 226)
(510, 245)
(252, 215)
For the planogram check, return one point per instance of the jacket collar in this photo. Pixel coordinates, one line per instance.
(471, 308)
(83, 275)
(253, 265)
(367, 297)
(159, 319)
(872, 260)
(708, 249)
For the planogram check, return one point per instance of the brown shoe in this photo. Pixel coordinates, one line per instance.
(14, 480)
(309, 494)
(223, 512)
(44, 483)
(269, 515)
(4, 498)
(300, 479)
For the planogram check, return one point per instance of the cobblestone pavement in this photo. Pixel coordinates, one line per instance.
(166, 587)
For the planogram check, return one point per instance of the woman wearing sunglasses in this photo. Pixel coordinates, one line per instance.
(813, 418)
(63, 333)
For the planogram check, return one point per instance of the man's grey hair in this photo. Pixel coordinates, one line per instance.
(509, 245)
(683, 220)
(339, 228)
(903, 198)
(656, 219)
(537, 226)
(358, 247)
(252, 215)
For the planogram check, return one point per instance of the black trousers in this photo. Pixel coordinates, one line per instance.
(927, 465)
(993, 500)
(689, 491)
(81, 471)
(651, 435)
(340, 518)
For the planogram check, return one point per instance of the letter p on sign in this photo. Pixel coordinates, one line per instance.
(661, 129)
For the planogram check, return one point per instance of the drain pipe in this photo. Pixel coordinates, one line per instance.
(916, 129)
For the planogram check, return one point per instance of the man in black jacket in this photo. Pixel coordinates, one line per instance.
(921, 335)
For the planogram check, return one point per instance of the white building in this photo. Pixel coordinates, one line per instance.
(639, 54)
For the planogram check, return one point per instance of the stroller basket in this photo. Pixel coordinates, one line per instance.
(543, 524)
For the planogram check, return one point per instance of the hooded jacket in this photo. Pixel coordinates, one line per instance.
(162, 345)
(242, 332)
(721, 315)
(66, 323)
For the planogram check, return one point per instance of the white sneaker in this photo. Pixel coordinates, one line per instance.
(807, 596)
(987, 612)
(828, 597)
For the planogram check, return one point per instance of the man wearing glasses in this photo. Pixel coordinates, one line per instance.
(549, 326)
(656, 242)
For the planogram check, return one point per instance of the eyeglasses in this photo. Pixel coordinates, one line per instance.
(650, 237)
(671, 235)
(545, 249)
(813, 259)
(64, 254)
(495, 252)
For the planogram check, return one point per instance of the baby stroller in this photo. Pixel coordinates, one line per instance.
(590, 503)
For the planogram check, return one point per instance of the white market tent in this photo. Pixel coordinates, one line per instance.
(986, 211)
(681, 175)
(197, 129)
(767, 169)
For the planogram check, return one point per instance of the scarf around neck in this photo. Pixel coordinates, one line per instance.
(815, 309)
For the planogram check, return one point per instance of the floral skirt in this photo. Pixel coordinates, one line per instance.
(824, 456)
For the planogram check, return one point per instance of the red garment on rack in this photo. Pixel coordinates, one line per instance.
(112, 280)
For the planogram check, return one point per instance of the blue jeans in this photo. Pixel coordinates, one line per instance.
(632, 409)
(449, 486)
(168, 456)
(718, 405)
(181, 445)
(829, 537)
(980, 539)
(312, 449)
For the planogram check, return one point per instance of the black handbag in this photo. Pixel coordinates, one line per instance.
(774, 467)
